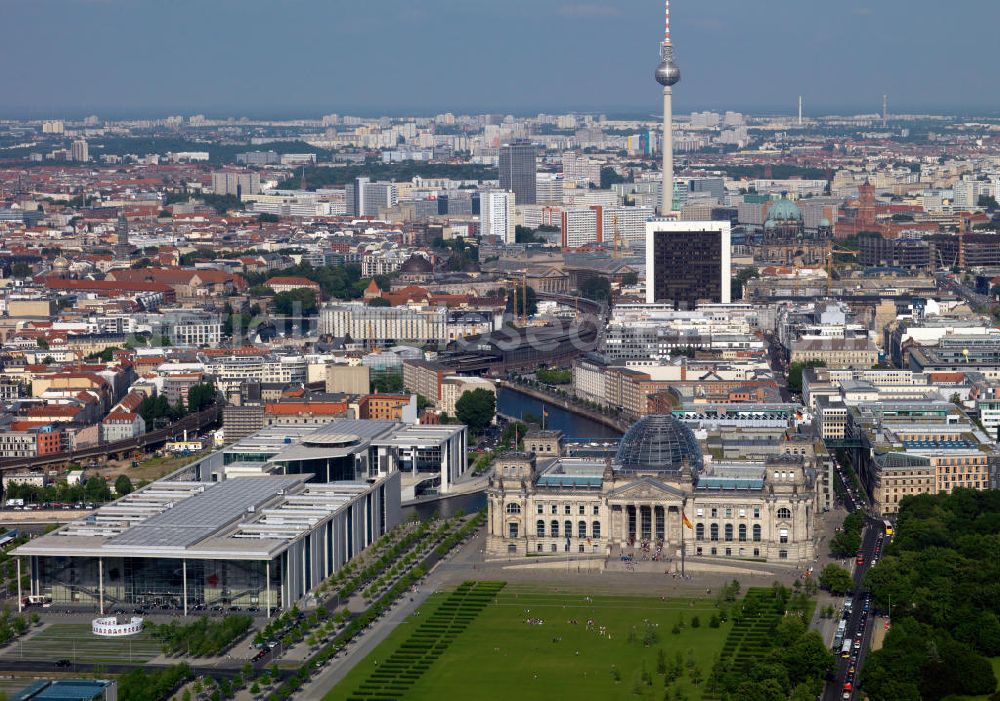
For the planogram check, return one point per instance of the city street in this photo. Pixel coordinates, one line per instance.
(861, 619)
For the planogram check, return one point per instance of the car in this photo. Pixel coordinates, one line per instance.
(857, 644)
(850, 670)
(63, 663)
(848, 686)
(846, 696)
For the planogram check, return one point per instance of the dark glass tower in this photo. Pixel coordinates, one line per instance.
(687, 263)
(518, 171)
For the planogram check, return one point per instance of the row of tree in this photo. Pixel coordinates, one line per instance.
(204, 637)
(152, 684)
(847, 540)
(791, 663)
(941, 576)
(200, 396)
(339, 282)
(94, 490)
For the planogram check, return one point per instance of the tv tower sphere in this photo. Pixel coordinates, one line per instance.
(667, 73)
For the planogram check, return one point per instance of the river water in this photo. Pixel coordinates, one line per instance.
(516, 404)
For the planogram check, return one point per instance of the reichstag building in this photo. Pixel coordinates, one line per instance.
(657, 495)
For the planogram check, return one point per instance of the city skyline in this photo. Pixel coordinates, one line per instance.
(314, 58)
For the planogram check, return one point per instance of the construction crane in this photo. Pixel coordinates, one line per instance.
(524, 295)
(620, 245)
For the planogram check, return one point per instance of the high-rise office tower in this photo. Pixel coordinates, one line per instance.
(687, 263)
(518, 171)
(235, 182)
(122, 249)
(496, 215)
(365, 198)
(354, 194)
(667, 75)
(80, 151)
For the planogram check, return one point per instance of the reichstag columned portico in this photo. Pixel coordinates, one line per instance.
(657, 495)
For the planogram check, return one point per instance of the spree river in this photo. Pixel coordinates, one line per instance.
(513, 403)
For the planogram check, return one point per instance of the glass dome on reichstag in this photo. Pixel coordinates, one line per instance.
(658, 443)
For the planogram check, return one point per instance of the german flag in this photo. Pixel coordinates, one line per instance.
(687, 521)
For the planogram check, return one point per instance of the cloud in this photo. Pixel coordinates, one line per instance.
(588, 10)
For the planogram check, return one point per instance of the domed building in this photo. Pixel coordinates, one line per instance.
(660, 495)
(60, 267)
(784, 239)
(416, 268)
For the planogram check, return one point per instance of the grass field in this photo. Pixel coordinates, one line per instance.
(497, 654)
(74, 641)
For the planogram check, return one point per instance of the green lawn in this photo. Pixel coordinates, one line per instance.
(74, 641)
(500, 655)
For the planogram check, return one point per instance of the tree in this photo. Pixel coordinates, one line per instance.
(630, 279)
(524, 234)
(517, 305)
(609, 177)
(596, 288)
(807, 658)
(836, 579)
(20, 270)
(379, 302)
(200, 396)
(795, 373)
(741, 278)
(476, 409)
(123, 485)
(387, 383)
(989, 202)
(296, 303)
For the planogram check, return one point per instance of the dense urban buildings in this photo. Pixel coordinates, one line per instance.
(233, 349)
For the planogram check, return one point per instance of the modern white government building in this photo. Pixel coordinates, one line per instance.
(256, 527)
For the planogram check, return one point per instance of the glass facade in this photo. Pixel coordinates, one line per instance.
(518, 172)
(687, 268)
(158, 583)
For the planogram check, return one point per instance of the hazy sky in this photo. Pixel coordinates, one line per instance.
(308, 57)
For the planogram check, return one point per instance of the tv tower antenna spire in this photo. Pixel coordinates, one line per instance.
(667, 74)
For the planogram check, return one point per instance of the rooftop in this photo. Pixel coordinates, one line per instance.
(241, 518)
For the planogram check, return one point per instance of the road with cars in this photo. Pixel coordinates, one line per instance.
(856, 609)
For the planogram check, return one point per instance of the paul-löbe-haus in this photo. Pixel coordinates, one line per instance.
(259, 533)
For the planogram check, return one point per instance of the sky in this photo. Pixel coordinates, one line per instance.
(311, 57)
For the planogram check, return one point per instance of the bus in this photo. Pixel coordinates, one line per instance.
(841, 632)
(845, 650)
(888, 528)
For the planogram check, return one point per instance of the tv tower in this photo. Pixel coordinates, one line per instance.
(667, 75)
